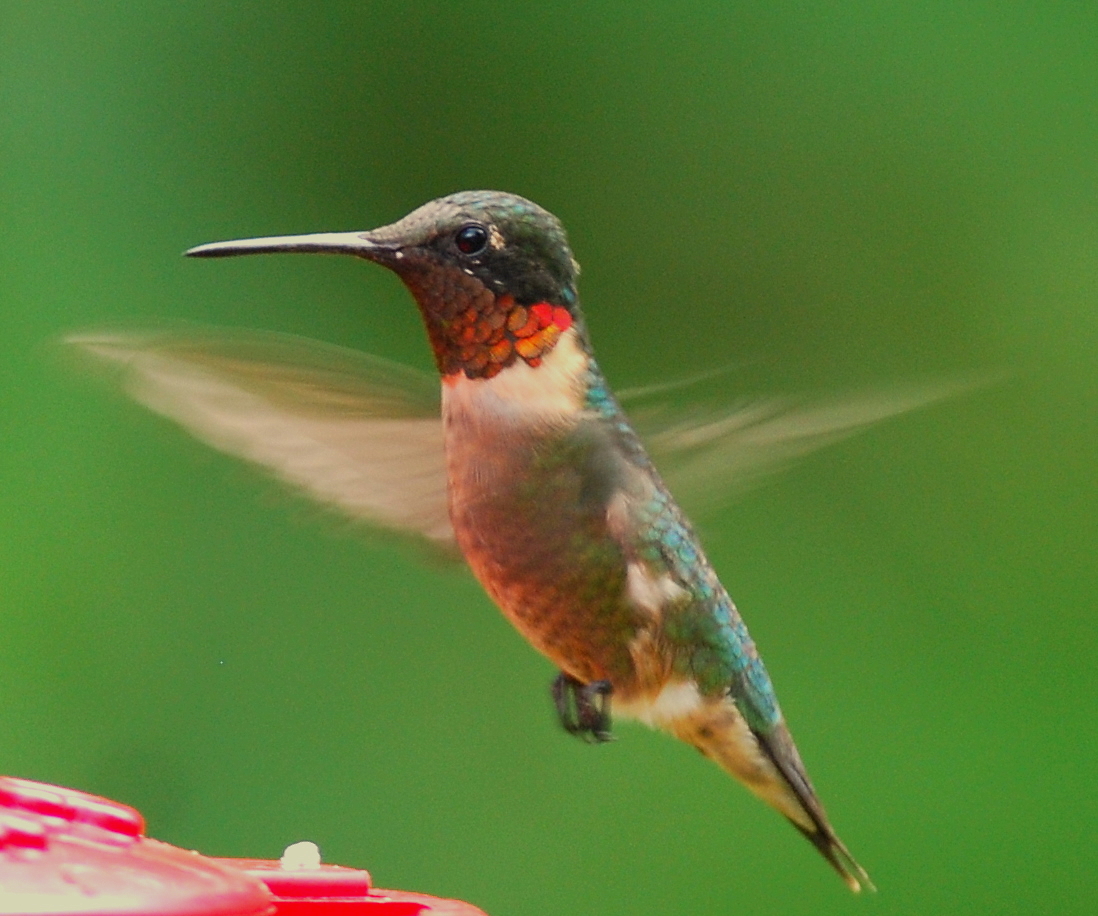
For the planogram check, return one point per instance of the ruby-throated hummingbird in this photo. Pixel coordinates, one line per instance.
(534, 471)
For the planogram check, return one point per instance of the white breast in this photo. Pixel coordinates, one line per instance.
(551, 393)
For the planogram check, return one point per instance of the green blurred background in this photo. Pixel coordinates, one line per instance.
(830, 195)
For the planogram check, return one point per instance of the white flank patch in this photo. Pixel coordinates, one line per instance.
(674, 701)
(651, 593)
(618, 515)
(546, 393)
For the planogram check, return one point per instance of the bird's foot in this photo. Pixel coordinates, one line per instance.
(584, 709)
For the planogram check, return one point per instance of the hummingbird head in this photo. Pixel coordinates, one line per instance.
(492, 274)
(507, 243)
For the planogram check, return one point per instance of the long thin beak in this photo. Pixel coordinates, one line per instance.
(355, 243)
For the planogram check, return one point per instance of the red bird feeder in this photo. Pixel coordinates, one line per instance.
(64, 853)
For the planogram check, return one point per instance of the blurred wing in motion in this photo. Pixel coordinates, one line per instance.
(363, 434)
(714, 456)
(354, 431)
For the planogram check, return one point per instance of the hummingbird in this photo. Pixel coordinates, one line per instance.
(523, 459)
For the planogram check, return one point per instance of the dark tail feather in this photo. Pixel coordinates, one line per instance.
(782, 752)
(838, 856)
(769, 765)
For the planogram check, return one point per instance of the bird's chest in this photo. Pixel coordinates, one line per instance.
(522, 501)
(528, 496)
(517, 457)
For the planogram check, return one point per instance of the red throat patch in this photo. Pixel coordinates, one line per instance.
(481, 342)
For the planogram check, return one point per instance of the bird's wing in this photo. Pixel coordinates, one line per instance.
(711, 456)
(354, 431)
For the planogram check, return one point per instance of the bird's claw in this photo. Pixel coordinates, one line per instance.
(584, 709)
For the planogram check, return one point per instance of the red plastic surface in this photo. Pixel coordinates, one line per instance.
(67, 853)
(331, 890)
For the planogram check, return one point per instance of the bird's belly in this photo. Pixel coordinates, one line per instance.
(564, 591)
(544, 554)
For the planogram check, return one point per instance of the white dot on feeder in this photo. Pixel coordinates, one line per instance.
(300, 856)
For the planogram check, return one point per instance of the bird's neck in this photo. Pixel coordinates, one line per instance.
(478, 333)
(547, 392)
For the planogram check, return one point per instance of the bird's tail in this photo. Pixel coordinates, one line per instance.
(769, 765)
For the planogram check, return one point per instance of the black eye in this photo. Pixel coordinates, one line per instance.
(471, 239)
